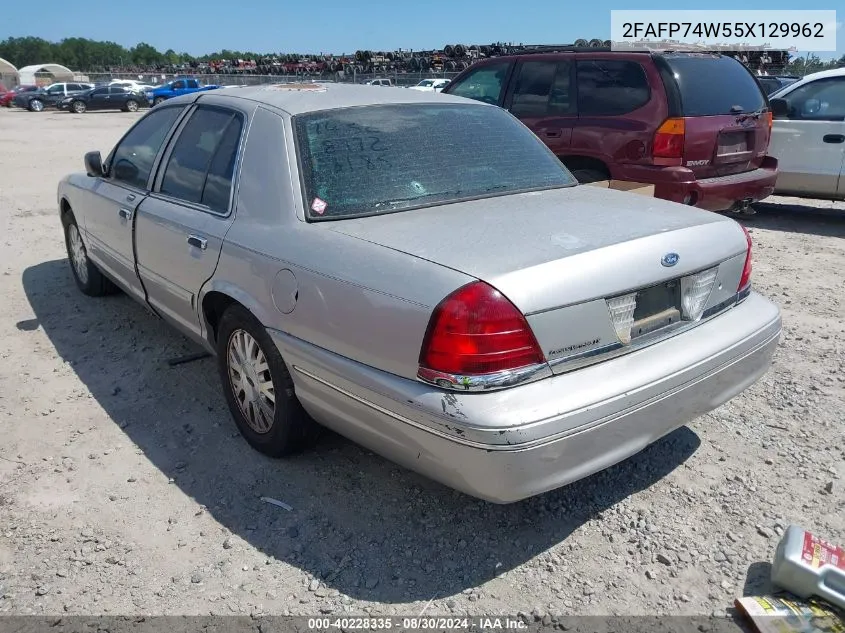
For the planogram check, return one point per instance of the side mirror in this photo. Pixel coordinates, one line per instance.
(94, 164)
(125, 170)
(780, 108)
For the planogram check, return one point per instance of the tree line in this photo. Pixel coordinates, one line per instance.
(80, 53)
(83, 54)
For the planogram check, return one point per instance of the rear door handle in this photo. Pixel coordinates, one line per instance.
(126, 214)
(834, 138)
(552, 133)
(199, 242)
(130, 197)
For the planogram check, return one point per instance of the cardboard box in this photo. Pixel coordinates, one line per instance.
(625, 185)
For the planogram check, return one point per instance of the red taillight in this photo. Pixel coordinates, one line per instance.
(476, 330)
(669, 139)
(745, 280)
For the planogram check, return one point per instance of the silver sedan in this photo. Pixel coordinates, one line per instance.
(421, 274)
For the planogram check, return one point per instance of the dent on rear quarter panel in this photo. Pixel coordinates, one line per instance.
(362, 301)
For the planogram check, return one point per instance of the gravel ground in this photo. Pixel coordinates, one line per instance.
(126, 489)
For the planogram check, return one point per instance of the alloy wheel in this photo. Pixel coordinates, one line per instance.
(249, 377)
(78, 256)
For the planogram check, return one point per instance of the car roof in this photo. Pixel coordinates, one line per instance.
(824, 74)
(302, 98)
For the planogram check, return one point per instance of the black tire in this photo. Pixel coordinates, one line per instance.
(78, 107)
(292, 429)
(36, 105)
(585, 176)
(158, 100)
(131, 106)
(89, 280)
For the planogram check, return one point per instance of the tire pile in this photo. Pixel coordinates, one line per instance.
(452, 58)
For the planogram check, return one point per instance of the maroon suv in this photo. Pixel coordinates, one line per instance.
(695, 125)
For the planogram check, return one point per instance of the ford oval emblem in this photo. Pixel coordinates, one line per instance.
(670, 259)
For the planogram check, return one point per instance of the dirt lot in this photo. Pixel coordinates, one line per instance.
(125, 487)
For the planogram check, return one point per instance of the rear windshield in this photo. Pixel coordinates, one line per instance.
(711, 85)
(385, 158)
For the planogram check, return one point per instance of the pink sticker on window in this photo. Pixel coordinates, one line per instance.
(319, 206)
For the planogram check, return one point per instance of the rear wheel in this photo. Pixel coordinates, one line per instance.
(158, 100)
(36, 105)
(78, 106)
(86, 274)
(585, 176)
(131, 106)
(258, 387)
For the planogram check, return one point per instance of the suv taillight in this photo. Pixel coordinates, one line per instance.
(669, 139)
(745, 280)
(476, 330)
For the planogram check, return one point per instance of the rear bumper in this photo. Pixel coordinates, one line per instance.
(508, 445)
(679, 184)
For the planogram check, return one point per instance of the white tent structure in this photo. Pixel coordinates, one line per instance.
(8, 73)
(27, 74)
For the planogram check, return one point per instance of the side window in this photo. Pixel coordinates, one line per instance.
(218, 184)
(542, 89)
(194, 158)
(820, 100)
(178, 85)
(58, 89)
(132, 160)
(483, 84)
(611, 87)
(99, 92)
(117, 90)
(192, 83)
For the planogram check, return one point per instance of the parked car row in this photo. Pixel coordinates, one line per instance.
(429, 279)
(118, 94)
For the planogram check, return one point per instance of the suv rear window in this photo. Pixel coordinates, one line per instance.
(380, 159)
(715, 85)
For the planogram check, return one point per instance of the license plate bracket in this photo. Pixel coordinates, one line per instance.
(658, 307)
(734, 147)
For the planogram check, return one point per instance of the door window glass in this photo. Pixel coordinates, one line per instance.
(820, 100)
(483, 84)
(542, 89)
(193, 156)
(133, 159)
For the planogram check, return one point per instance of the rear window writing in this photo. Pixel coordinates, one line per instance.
(379, 159)
(712, 86)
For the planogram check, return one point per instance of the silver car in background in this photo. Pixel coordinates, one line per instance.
(421, 274)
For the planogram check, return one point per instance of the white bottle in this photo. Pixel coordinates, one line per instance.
(806, 565)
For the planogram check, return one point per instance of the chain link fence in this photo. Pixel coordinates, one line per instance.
(398, 78)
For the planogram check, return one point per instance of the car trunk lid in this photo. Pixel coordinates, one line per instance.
(554, 248)
(570, 260)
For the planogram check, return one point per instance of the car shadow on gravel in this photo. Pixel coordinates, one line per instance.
(801, 217)
(370, 529)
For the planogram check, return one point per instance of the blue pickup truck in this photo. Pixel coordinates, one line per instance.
(177, 87)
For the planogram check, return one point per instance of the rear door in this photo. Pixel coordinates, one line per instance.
(725, 112)
(541, 95)
(616, 108)
(116, 97)
(181, 226)
(99, 98)
(809, 142)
